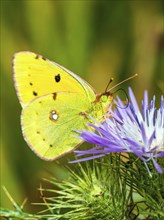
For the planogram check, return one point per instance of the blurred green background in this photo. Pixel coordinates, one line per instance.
(97, 40)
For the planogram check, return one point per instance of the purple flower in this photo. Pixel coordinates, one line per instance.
(129, 130)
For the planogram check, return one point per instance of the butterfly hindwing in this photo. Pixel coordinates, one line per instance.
(48, 123)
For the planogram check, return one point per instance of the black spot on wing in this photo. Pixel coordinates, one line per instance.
(37, 56)
(43, 58)
(35, 93)
(31, 84)
(54, 95)
(57, 78)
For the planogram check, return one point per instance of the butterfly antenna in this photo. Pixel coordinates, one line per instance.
(111, 80)
(129, 78)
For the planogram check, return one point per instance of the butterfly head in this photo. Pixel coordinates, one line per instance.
(105, 100)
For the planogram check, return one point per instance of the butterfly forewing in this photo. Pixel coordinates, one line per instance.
(36, 76)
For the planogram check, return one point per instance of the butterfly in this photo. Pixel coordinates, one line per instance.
(55, 102)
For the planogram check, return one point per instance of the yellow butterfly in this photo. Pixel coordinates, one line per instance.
(55, 102)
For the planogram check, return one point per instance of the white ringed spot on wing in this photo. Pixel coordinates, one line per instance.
(53, 115)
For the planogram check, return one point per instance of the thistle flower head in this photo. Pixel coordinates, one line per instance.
(129, 130)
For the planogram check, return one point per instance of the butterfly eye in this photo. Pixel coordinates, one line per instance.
(53, 115)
